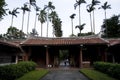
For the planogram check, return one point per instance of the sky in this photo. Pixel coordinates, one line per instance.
(64, 9)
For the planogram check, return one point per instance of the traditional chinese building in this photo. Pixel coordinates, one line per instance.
(9, 52)
(46, 51)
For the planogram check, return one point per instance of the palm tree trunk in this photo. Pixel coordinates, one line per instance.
(12, 21)
(105, 14)
(106, 24)
(41, 29)
(11, 34)
(53, 32)
(79, 16)
(47, 23)
(35, 21)
(93, 22)
(80, 32)
(22, 22)
(72, 25)
(28, 19)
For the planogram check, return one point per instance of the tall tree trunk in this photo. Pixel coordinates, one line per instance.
(53, 32)
(93, 22)
(35, 21)
(79, 16)
(11, 33)
(28, 19)
(106, 24)
(72, 25)
(41, 28)
(22, 22)
(105, 14)
(80, 32)
(47, 23)
(12, 21)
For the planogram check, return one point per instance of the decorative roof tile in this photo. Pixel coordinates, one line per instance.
(64, 41)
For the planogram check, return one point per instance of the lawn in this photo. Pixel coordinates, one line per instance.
(34, 75)
(95, 75)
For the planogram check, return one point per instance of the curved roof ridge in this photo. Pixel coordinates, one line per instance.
(82, 37)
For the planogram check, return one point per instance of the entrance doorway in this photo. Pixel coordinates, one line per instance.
(64, 58)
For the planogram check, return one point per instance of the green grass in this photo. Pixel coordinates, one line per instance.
(34, 75)
(95, 75)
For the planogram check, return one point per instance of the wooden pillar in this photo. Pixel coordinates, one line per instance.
(27, 54)
(105, 56)
(47, 57)
(16, 60)
(80, 59)
(26, 57)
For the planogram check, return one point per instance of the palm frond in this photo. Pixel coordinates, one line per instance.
(72, 16)
(90, 7)
(10, 12)
(95, 2)
(75, 5)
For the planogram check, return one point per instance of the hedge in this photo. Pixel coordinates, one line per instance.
(14, 71)
(108, 68)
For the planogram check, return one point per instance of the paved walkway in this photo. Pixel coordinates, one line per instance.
(64, 75)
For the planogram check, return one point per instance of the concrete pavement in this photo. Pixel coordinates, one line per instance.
(64, 75)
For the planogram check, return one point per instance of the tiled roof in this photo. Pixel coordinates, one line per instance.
(9, 44)
(114, 41)
(64, 41)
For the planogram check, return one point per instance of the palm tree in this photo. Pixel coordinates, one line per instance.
(36, 9)
(80, 27)
(57, 23)
(14, 12)
(48, 7)
(34, 32)
(105, 7)
(78, 3)
(72, 17)
(90, 8)
(53, 17)
(33, 3)
(94, 3)
(24, 8)
(42, 18)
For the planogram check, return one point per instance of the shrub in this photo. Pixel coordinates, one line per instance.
(109, 68)
(13, 71)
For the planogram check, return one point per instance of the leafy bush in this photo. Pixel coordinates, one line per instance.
(109, 68)
(13, 71)
(95, 75)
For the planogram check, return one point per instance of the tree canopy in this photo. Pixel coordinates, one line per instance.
(14, 33)
(2, 9)
(112, 25)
